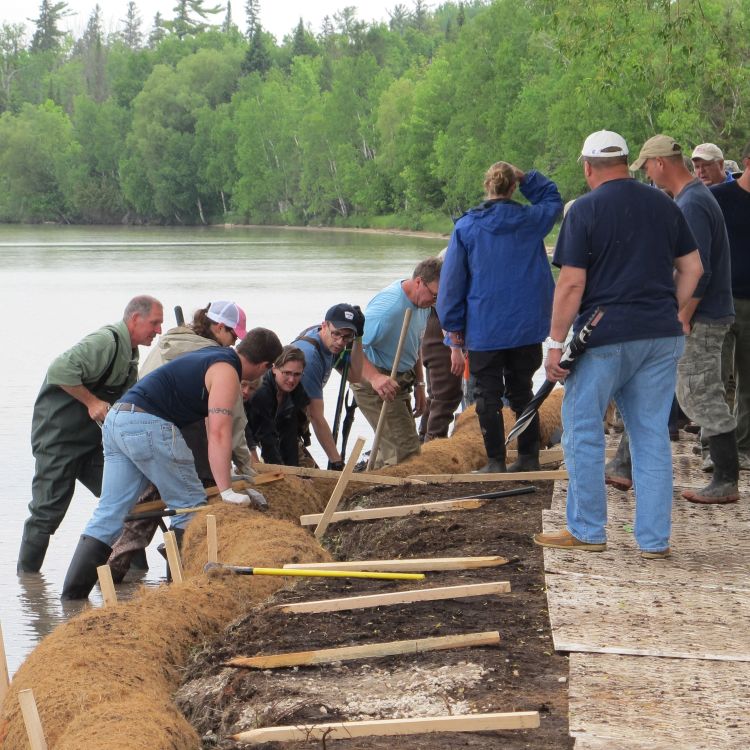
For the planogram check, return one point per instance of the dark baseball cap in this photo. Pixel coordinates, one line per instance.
(342, 316)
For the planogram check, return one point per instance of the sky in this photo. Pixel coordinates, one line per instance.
(277, 16)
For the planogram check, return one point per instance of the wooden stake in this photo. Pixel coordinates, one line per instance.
(391, 727)
(394, 373)
(107, 585)
(398, 597)
(267, 477)
(4, 678)
(366, 514)
(173, 556)
(515, 476)
(338, 490)
(362, 478)
(212, 540)
(369, 650)
(435, 563)
(31, 719)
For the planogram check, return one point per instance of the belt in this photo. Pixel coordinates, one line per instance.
(123, 406)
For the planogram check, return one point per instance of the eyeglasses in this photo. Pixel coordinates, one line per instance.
(291, 373)
(347, 337)
(427, 287)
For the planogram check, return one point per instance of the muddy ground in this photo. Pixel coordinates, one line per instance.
(524, 673)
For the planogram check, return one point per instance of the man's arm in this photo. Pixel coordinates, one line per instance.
(688, 271)
(223, 387)
(383, 384)
(322, 430)
(97, 408)
(567, 302)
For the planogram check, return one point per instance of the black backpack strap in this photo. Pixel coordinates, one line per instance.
(303, 337)
(103, 379)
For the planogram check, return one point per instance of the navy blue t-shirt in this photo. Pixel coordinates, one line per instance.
(177, 391)
(626, 235)
(735, 205)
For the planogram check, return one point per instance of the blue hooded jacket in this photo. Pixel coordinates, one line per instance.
(496, 283)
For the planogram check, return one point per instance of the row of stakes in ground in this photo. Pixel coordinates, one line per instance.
(471, 723)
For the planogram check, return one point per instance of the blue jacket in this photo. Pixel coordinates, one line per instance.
(496, 284)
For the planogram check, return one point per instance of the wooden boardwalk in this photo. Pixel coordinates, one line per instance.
(659, 649)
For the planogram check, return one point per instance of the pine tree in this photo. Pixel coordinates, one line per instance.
(252, 16)
(48, 34)
(131, 34)
(158, 32)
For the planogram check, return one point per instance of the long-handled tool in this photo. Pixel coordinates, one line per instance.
(494, 495)
(573, 350)
(346, 356)
(351, 406)
(394, 373)
(163, 513)
(218, 568)
(178, 316)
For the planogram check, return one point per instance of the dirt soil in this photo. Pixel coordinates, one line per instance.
(524, 673)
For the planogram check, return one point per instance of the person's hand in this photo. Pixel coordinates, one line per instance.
(555, 373)
(235, 498)
(420, 401)
(359, 320)
(98, 411)
(335, 466)
(457, 361)
(687, 325)
(457, 338)
(519, 174)
(385, 386)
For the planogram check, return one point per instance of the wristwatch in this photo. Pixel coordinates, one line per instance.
(552, 344)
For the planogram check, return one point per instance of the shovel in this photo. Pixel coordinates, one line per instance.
(213, 568)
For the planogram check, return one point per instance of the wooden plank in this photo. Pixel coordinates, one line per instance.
(4, 678)
(649, 702)
(366, 651)
(267, 477)
(338, 490)
(511, 476)
(173, 556)
(31, 720)
(361, 477)
(367, 514)
(391, 727)
(107, 585)
(397, 597)
(212, 541)
(418, 564)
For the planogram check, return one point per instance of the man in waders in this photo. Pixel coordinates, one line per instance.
(66, 436)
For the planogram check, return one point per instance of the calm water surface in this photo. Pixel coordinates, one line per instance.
(60, 283)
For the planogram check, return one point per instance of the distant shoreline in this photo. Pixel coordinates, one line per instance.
(358, 230)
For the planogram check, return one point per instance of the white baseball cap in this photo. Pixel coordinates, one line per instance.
(604, 144)
(708, 152)
(230, 314)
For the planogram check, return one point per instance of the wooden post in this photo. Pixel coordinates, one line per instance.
(4, 679)
(31, 719)
(107, 585)
(345, 730)
(173, 556)
(394, 372)
(338, 490)
(366, 651)
(407, 564)
(213, 544)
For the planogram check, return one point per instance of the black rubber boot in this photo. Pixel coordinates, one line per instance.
(81, 576)
(32, 552)
(722, 488)
(619, 471)
(139, 561)
(494, 466)
(162, 549)
(528, 454)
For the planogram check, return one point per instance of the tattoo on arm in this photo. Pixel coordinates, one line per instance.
(214, 410)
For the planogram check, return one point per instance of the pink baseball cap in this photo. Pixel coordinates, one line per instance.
(230, 314)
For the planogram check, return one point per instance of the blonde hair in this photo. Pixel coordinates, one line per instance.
(499, 180)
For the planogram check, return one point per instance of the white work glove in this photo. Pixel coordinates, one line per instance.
(236, 498)
(247, 497)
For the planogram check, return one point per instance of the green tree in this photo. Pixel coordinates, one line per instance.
(191, 18)
(48, 35)
(12, 58)
(131, 34)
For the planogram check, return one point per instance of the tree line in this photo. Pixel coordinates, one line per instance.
(206, 117)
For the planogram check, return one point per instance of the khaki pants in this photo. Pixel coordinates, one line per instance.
(399, 438)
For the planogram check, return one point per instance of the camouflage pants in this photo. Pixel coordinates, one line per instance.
(700, 389)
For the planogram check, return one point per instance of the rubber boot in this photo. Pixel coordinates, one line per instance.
(81, 576)
(722, 488)
(494, 466)
(528, 458)
(162, 549)
(619, 471)
(139, 561)
(32, 552)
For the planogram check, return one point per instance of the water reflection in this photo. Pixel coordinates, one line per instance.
(41, 609)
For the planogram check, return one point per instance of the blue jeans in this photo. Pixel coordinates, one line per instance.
(640, 376)
(141, 448)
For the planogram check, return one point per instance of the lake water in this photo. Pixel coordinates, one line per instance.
(60, 283)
